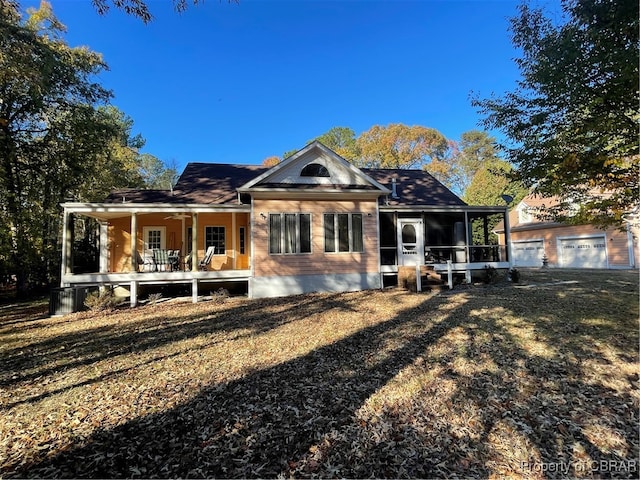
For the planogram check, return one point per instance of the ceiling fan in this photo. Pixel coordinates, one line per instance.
(178, 216)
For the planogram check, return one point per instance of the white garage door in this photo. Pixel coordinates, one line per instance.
(586, 252)
(528, 254)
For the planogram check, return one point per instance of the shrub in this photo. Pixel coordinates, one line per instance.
(490, 274)
(154, 298)
(513, 275)
(220, 295)
(101, 301)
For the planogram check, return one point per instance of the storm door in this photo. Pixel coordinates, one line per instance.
(410, 241)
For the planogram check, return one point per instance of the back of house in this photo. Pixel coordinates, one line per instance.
(314, 222)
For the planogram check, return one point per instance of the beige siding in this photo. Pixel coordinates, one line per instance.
(617, 244)
(316, 262)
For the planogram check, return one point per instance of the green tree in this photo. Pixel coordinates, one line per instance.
(55, 143)
(136, 8)
(492, 180)
(477, 149)
(341, 140)
(155, 173)
(400, 146)
(572, 120)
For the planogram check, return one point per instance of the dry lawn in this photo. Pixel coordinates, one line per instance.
(470, 383)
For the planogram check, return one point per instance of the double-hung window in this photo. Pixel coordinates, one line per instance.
(289, 233)
(343, 232)
(215, 237)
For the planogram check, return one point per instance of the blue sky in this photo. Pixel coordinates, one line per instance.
(237, 83)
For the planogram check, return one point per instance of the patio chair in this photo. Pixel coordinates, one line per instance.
(174, 260)
(162, 259)
(187, 261)
(147, 262)
(204, 263)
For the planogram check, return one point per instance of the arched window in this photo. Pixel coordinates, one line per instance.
(314, 170)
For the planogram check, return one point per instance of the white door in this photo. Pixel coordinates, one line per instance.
(527, 253)
(584, 252)
(154, 237)
(410, 242)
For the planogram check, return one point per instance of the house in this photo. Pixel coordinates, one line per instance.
(534, 238)
(312, 223)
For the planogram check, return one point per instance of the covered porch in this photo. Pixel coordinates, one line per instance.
(159, 244)
(455, 239)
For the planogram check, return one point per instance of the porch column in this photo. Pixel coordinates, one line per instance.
(194, 290)
(485, 226)
(194, 242)
(133, 294)
(134, 244)
(66, 246)
(233, 239)
(104, 247)
(467, 237)
(507, 236)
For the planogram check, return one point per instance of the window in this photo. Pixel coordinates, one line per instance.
(343, 232)
(524, 214)
(314, 170)
(289, 233)
(242, 241)
(154, 237)
(215, 237)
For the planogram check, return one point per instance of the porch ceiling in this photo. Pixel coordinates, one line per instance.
(108, 211)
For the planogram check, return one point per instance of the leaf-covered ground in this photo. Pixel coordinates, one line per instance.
(470, 383)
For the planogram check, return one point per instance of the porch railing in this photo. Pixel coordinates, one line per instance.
(453, 253)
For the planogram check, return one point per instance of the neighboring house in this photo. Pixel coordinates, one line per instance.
(567, 246)
(311, 223)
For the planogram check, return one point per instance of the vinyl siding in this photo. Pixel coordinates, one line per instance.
(617, 246)
(316, 262)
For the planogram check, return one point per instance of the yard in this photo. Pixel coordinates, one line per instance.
(537, 379)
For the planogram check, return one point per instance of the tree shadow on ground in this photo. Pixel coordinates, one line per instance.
(448, 388)
(90, 345)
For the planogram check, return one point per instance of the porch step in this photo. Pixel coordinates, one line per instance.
(430, 279)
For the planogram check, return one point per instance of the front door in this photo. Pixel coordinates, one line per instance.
(411, 242)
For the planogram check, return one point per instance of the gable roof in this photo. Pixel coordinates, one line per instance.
(340, 174)
(218, 184)
(532, 202)
(221, 184)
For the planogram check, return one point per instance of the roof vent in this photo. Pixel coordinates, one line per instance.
(394, 188)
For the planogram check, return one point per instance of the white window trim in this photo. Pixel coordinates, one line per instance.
(524, 213)
(163, 236)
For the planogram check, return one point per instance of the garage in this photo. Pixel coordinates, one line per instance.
(583, 252)
(528, 253)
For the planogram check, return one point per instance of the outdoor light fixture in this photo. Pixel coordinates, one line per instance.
(264, 217)
(507, 198)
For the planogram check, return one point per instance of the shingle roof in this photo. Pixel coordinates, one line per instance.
(414, 187)
(216, 183)
(200, 183)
